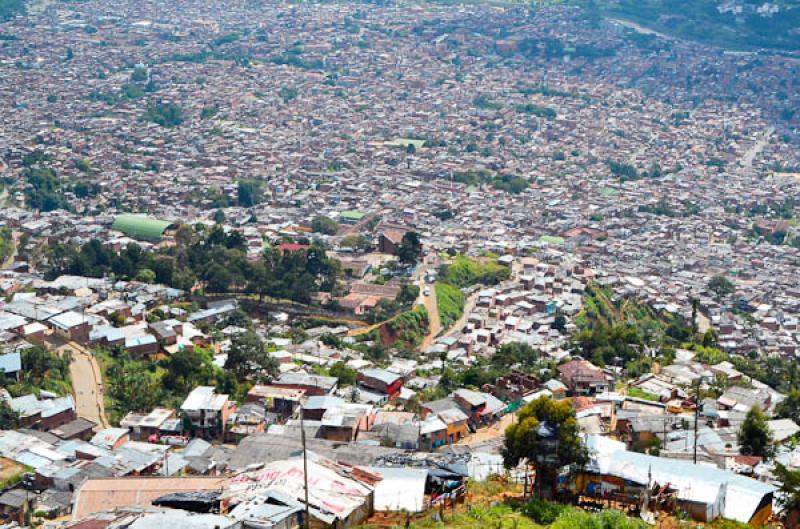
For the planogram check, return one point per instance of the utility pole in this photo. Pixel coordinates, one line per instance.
(696, 416)
(305, 470)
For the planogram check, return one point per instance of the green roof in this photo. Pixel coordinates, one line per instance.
(405, 142)
(139, 226)
(551, 239)
(352, 215)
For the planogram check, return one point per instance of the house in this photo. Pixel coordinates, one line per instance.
(71, 326)
(433, 433)
(249, 418)
(382, 381)
(44, 414)
(207, 411)
(704, 492)
(80, 428)
(341, 496)
(311, 384)
(11, 365)
(449, 412)
(279, 400)
(583, 378)
(111, 438)
(147, 426)
(389, 240)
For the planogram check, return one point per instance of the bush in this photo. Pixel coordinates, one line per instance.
(575, 519)
(543, 512)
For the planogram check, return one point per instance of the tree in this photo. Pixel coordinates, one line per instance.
(218, 217)
(187, 369)
(145, 275)
(165, 114)
(410, 248)
(559, 323)
(356, 242)
(139, 74)
(249, 193)
(219, 279)
(9, 419)
(788, 498)
(324, 225)
(515, 353)
(248, 357)
(754, 437)
(721, 286)
(789, 408)
(545, 435)
(346, 375)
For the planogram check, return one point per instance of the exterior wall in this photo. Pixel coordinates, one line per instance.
(343, 434)
(57, 420)
(435, 439)
(144, 350)
(456, 431)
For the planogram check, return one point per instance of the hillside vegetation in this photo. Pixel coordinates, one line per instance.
(406, 330)
(741, 25)
(450, 301)
(465, 272)
(615, 331)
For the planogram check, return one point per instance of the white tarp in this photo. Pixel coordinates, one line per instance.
(401, 489)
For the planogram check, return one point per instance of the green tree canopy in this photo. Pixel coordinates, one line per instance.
(546, 435)
(754, 436)
(248, 358)
(346, 375)
(721, 286)
(249, 193)
(789, 408)
(324, 225)
(789, 492)
(410, 248)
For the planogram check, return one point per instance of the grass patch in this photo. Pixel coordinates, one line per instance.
(464, 272)
(405, 142)
(642, 394)
(450, 301)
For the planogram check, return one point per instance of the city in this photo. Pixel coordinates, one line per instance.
(350, 264)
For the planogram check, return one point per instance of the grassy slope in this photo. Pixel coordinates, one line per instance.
(450, 301)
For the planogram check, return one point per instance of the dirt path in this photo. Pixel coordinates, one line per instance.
(492, 433)
(434, 323)
(755, 150)
(703, 323)
(87, 384)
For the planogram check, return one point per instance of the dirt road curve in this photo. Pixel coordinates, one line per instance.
(87, 384)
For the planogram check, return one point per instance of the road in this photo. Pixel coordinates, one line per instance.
(434, 323)
(87, 384)
(640, 29)
(755, 150)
